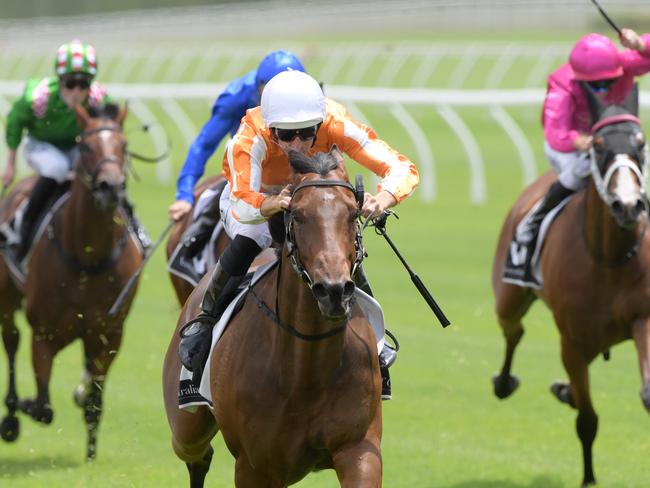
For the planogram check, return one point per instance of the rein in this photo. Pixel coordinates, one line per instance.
(292, 253)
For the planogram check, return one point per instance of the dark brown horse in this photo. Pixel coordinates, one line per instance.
(295, 378)
(595, 268)
(76, 270)
(182, 287)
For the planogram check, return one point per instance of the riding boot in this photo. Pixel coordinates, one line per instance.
(528, 229)
(388, 354)
(199, 232)
(196, 335)
(41, 192)
(135, 224)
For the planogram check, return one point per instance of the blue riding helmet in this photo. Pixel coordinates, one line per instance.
(274, 63)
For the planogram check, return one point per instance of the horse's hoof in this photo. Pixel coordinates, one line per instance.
(79, 395)
(40, 413)
(562, 391)
(9, 428)
(645, 397)
(504, 386)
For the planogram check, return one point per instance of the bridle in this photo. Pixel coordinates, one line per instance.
(296, 263)
(640, 170)
(602, 181)
(89, 176)
(290, 242)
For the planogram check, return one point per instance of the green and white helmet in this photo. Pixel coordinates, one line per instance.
(76, 57)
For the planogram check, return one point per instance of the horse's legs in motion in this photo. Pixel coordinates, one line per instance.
(9, 427)
(577, 367)
(512, 304)
(641, 332)
(247, 477)
(199, 469)
(43, 353)
(359, 466)
(99, 352)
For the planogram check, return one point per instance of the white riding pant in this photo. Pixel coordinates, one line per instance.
(572, 168)
(260, 233)
(50, 161)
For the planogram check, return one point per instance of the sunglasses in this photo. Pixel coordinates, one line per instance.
(600, 86)
(288, 135)
(72, 83)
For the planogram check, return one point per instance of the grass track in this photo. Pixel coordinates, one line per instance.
(443, 429)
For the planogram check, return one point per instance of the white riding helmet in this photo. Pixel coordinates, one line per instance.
(293, 100)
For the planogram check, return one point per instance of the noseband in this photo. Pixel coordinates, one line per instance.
(89, 177)
(292, 248)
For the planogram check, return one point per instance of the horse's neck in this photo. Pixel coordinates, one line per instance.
(606, 240)
(87, 232)
(314, 362)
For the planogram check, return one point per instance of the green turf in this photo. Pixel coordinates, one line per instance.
(444, 427)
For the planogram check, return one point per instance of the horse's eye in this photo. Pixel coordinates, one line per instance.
(640, 139)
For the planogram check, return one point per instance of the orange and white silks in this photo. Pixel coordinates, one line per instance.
(255, 165)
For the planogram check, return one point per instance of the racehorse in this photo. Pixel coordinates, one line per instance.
(595, 267)
(295, 382)
(182, 287)
(77, 268)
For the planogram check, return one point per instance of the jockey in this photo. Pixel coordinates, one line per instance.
(294, 115)
(596, 63)
(227, 112)
(46, 111)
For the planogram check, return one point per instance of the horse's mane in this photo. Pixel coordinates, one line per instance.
(104, 111)
(320, 163)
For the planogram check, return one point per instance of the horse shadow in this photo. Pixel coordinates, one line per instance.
(538, 482)
(17, 468)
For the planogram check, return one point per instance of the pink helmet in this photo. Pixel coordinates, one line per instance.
(595, 57)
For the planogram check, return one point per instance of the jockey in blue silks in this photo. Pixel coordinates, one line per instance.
(227, 112)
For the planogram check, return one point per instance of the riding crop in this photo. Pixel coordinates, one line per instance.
(606, 17)
(132, 280)
(379, 224)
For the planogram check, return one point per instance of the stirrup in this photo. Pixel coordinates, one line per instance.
(388, 353)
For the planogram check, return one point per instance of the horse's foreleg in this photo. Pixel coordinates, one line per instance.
(99, 352)
(359, 466)
(641, 333)
(39, 408)
(9, 427)
(512, 304)
(577, 367)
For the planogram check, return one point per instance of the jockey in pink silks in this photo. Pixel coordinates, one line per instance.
(610, 75)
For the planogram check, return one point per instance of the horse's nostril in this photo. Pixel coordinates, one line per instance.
(348, 289)
(639, 207)
(617, 207)
(104, 186)
(319, 290)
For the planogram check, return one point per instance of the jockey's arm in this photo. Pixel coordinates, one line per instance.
(10, 170)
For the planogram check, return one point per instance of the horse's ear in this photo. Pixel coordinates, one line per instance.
(335, 152)
(596, 107)
(121, 115)
(631, 103)
(82, 116)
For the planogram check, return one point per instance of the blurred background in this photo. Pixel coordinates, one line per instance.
(457, 86)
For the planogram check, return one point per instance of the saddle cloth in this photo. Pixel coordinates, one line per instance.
(516, 259)
(190, 397)
(193, 269)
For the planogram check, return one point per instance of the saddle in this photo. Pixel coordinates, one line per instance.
(193, 255)
(515, 271)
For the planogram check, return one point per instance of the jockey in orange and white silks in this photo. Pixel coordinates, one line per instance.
(256, 164)
(294, 115)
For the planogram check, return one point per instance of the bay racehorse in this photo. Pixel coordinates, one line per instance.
(595, 267)
(76, 270)
(182, 287)
(294, 379)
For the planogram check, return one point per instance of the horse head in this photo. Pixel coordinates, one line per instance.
(619, 158)
(101, 166)
(323, 238)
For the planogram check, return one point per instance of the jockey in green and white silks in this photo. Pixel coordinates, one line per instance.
(45, 113)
